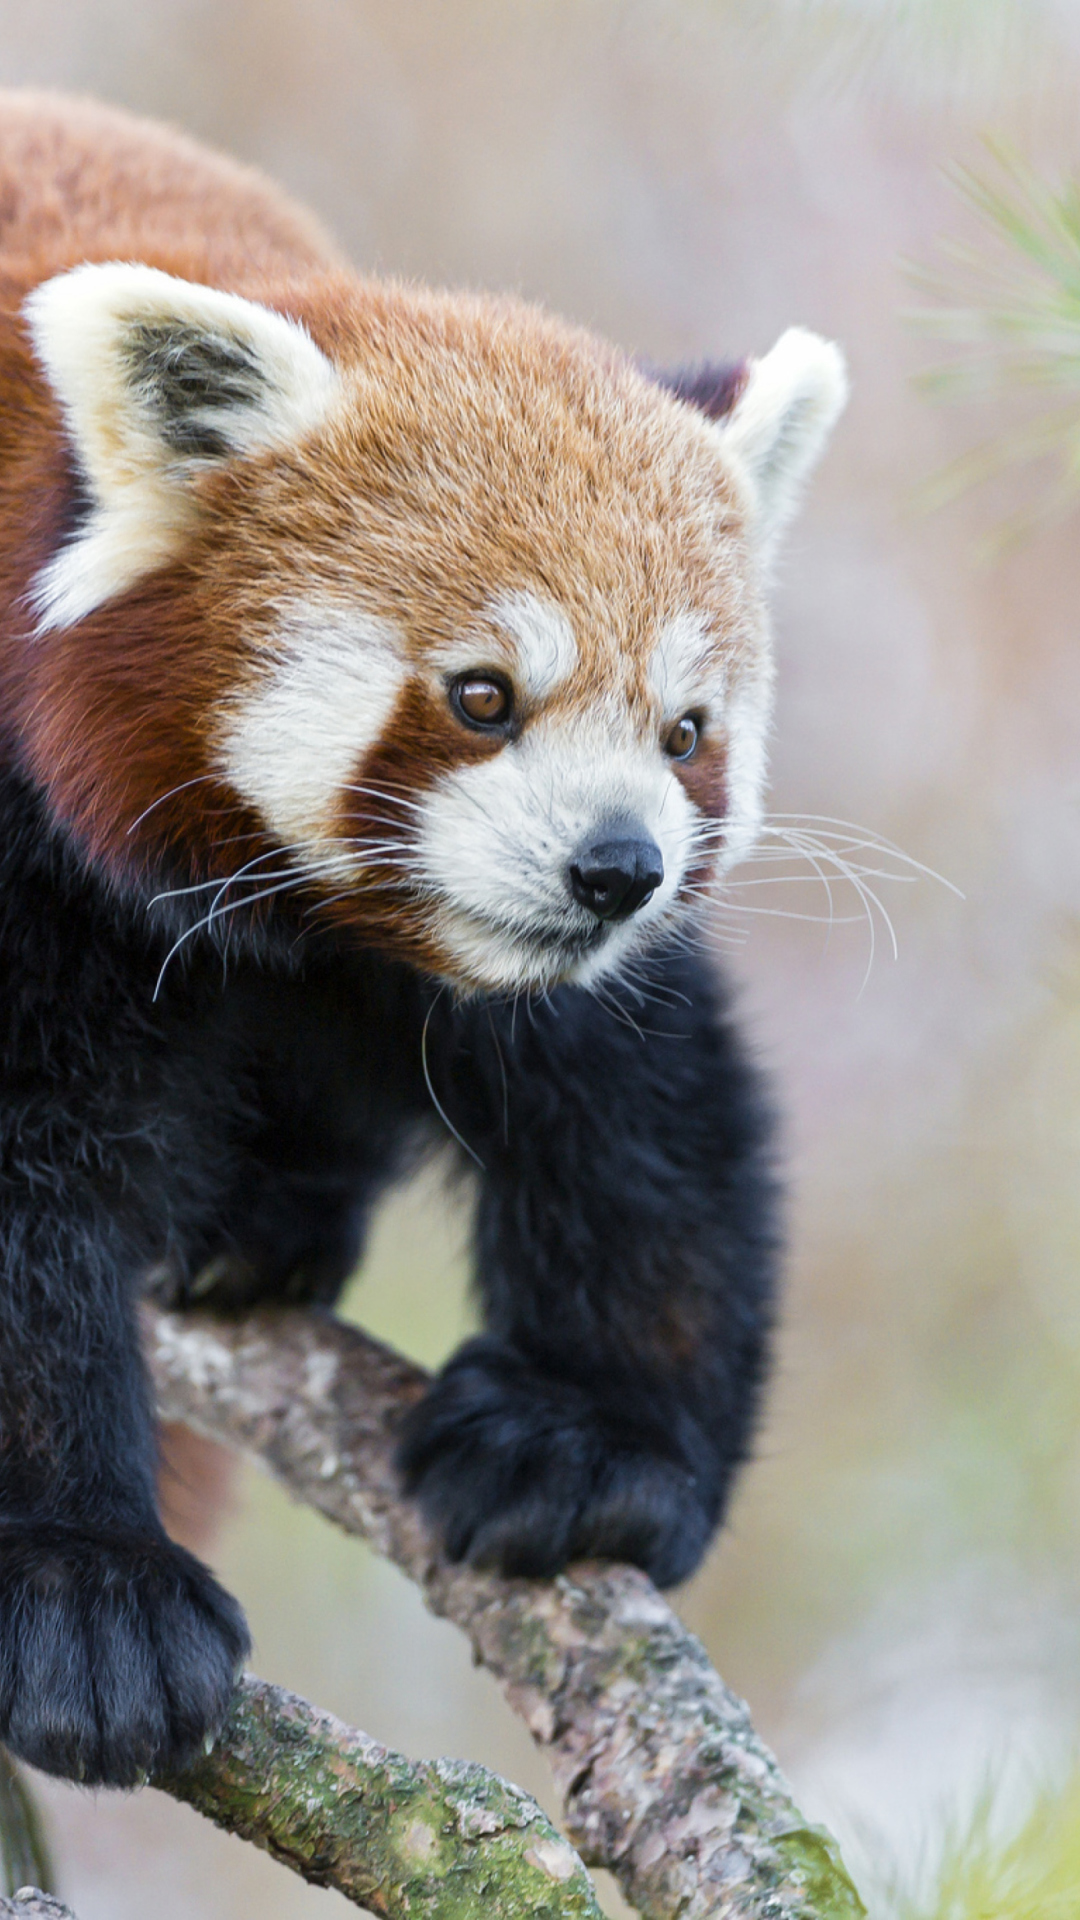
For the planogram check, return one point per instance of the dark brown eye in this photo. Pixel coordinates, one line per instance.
(681, 742)
(481, 700)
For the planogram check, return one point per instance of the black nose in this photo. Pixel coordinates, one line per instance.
(616, 876)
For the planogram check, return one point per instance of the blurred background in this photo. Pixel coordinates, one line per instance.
(898, 1592)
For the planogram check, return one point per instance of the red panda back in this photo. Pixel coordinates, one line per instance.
(82, 181)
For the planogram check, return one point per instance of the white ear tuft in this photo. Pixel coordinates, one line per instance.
(159, 379)
(781, 421)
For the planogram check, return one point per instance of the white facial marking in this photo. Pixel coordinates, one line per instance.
(107, 337)
(749, 712)
(497, 839)
(544, 639)
(529, 638)
(292, 740)
(684, 668)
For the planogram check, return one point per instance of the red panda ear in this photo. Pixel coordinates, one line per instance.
(712, 386)
(780, 424)
(774, 415)
(159, 379)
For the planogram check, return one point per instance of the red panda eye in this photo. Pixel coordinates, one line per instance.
(481, 700)
(681, 743)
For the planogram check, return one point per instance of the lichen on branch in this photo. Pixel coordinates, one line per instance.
(29, 1903)
(411, 1840)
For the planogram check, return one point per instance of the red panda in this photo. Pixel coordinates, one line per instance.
(371, 659)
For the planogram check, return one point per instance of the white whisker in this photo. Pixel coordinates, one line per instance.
(384, 793)
(221, 913)
(436, 1102)
(199, 780)
(829, 852)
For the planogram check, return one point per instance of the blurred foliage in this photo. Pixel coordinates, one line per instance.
(1009, 307)
(1032, 1875)
(966, 41)
(974, 53)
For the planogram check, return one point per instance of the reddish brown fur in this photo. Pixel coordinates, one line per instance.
(421, 741)
(82, 181)
(482, 431)
(705, 776)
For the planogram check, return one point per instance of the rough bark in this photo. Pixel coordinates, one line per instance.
(662, 1776)
(31, 1904)
(428, 1840)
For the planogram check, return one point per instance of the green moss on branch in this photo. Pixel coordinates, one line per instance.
(427, 1840)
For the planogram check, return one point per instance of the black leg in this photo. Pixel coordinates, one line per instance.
(118, 1650)
(333, 1083)
(626, 1243)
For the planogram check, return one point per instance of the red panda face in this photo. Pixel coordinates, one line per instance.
(471, 610)
(515, 811)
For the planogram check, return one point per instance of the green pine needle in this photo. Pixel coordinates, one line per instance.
(1010, 310)
(1035, 1875)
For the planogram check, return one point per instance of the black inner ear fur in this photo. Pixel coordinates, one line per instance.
(181, 374)
(713, 386)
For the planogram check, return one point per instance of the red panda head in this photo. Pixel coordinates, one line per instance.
(426, 607)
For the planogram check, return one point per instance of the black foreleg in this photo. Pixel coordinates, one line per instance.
(626, 1244)
(334, 1085)
(118, 1650)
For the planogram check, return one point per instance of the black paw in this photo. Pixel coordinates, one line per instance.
(521, 1472)
(311, 1273)
(118, 1654)
(227, 1284)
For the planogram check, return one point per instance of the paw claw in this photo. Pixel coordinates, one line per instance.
(525, 1473)
(118, 1652)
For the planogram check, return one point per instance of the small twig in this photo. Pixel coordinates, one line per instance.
(23, 1849)
(663, 1778)
(411, 1840)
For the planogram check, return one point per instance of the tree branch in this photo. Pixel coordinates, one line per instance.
(30, 1904)
(407, 1840)
(662, 1776)
(427, 1840)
